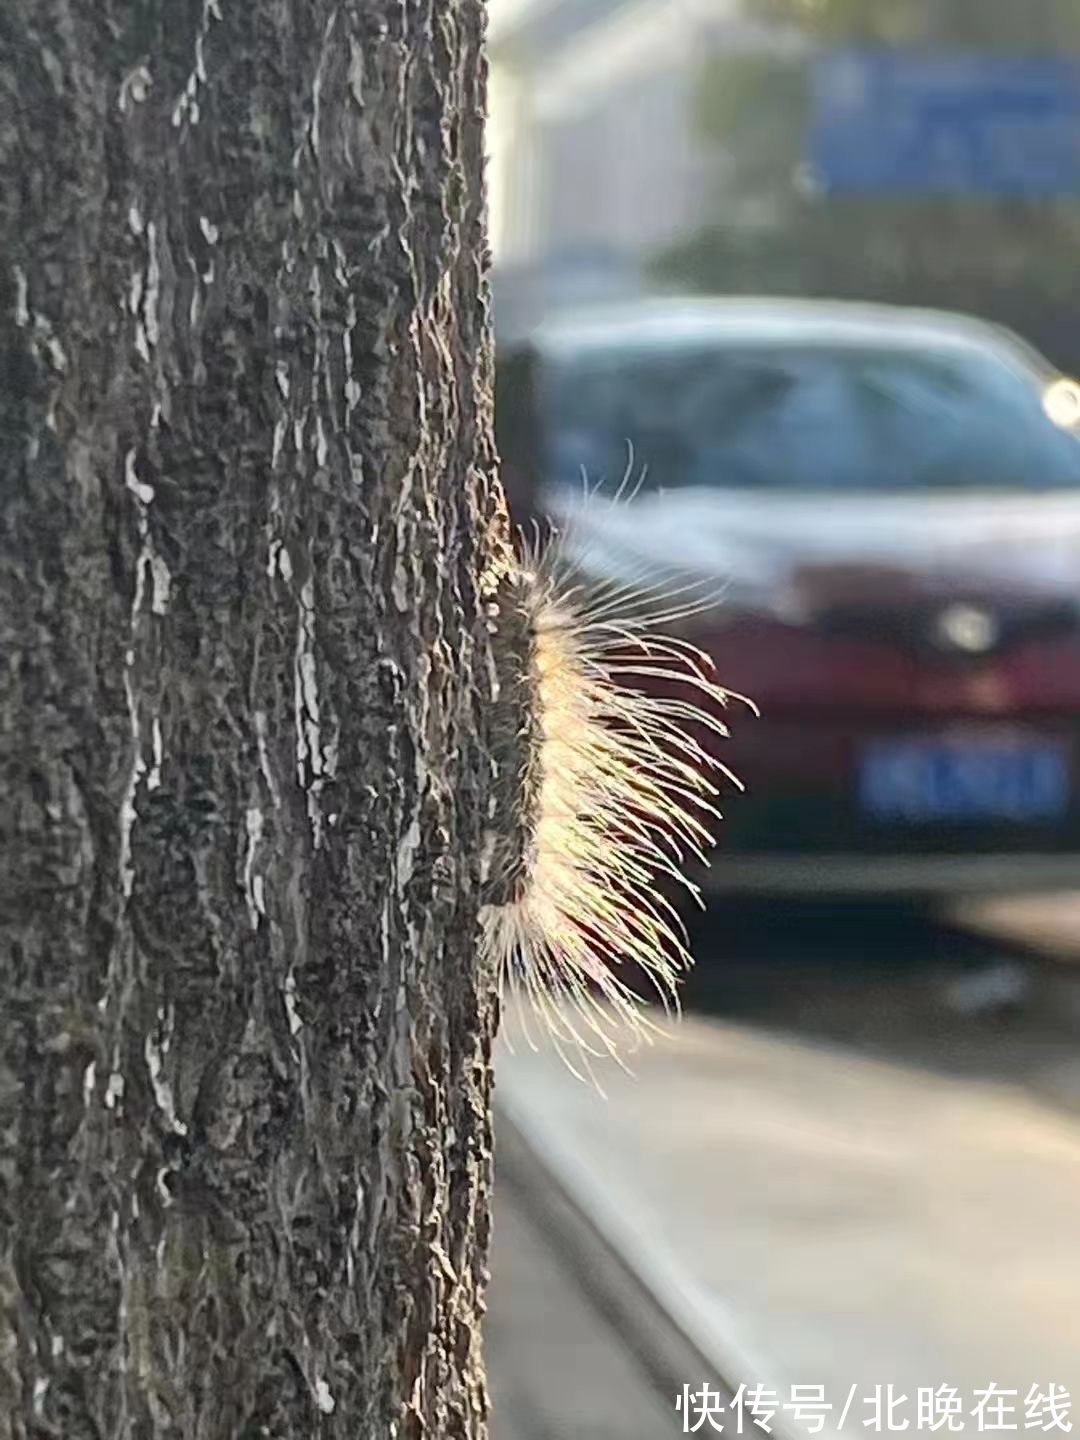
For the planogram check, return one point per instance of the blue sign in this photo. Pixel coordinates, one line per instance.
(896, 121)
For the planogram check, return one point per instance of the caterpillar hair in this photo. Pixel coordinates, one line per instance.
(623, 792)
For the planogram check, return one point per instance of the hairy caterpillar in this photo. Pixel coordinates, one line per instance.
(623, 798)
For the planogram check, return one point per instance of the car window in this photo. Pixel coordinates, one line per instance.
(802, 418)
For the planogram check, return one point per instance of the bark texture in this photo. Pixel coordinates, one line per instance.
(248, 531)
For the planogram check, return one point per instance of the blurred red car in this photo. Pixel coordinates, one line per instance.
(890, 500)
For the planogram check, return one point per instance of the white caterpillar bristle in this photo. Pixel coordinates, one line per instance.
(626, 797)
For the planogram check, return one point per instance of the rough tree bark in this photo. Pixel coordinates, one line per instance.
(248, 524)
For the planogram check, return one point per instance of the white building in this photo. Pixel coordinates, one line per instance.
(594, 164)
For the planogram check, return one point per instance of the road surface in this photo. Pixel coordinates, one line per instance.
(859, 1160)
(557, 1368)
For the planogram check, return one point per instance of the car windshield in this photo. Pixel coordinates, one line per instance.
(802, 417)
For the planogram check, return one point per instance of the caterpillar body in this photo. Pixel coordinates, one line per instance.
(623, 797)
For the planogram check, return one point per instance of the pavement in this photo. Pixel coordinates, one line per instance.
(1050, 922)
(559, 1367)
(806, 1205)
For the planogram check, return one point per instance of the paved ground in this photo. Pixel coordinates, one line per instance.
(857, 1163)
(1050, 921)
(557, 1370)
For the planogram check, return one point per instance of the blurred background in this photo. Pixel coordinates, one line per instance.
(702, 145)
(807, 269)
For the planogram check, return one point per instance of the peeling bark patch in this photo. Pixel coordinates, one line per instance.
(22, 310)
(289, 990)
(114, 1091)
(134, 88)
(155, 1051)
(309, 750)
(187, 107)
(253, 882)
(144, 495)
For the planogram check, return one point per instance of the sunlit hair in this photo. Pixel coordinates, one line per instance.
(625, 801)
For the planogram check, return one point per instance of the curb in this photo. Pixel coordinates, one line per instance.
(631, 1278)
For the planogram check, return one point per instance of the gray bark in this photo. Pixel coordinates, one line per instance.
(246, 525)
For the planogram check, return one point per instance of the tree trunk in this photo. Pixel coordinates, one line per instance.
(247, 528)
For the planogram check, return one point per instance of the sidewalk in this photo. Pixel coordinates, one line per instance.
(1047, 922)
(576, 1345)
(557, 1368)
(812, 1216)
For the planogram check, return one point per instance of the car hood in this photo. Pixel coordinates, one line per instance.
(786, 553)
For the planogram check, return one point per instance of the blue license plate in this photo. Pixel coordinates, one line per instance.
(964, 780)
